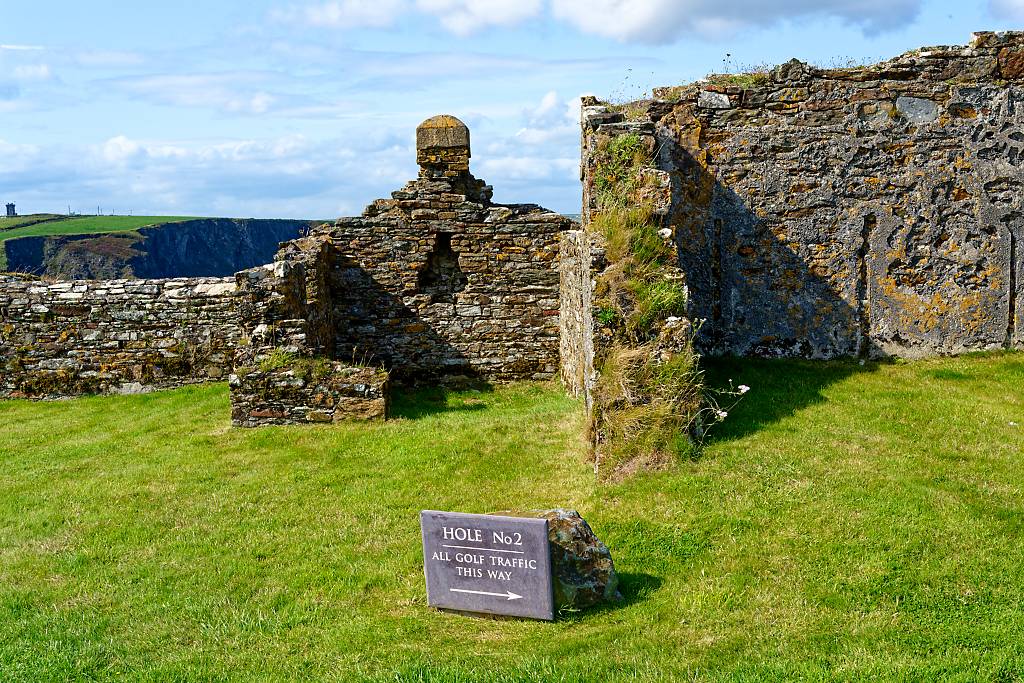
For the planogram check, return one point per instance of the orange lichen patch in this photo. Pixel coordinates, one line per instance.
(963, 111)
(803, 187)
(974, 313)
(1011, 63)
(791, 95)
(959, 194)
(962, 164)
(443, 131)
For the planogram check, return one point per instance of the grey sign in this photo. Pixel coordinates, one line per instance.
(487, 563)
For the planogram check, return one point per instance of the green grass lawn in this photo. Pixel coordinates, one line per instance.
(11, 228)
(846, 522)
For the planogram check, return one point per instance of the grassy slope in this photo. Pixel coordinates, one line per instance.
(7, 222)
(80, 225)
(847, 522)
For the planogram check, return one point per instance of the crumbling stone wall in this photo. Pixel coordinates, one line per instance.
(874, 210)
(284, 370)
(438, 283)
(67, 338)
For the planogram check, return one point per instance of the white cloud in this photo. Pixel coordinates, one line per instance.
(460, 17)
(465, 17)
(12, 151)
(553, 120)
(1007, 9)
(287, 176)
(529, 168)
(233, 92)
(346, 14)
(121, 150)
(663, 21)
(32, 72)
(21, 48)
(639, 21)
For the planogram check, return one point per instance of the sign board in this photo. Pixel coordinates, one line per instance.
(488, 564)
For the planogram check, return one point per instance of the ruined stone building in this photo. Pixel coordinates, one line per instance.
(11, 213)
(816, 213)
(436, 283)
(873, 210)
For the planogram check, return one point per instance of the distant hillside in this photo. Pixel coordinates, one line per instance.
(98, 247)
(44, 224)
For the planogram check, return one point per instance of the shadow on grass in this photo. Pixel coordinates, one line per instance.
(634, 587)
(778, 388)
(413, 404)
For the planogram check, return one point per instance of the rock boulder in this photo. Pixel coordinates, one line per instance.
(581, 565)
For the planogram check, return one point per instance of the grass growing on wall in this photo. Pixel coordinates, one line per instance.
(649, 393)
(846, 523)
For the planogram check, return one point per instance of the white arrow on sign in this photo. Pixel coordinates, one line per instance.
(508, 594)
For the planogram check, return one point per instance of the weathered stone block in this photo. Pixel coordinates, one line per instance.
(583, 571)
(917, 110)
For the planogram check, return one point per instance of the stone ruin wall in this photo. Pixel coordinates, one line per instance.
(114, 336)
(579, 261)
(435, 284)
(438, 283)
(284, 371)
(863, 211)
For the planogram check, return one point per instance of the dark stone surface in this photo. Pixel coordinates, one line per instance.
(583, 571)
(487, 563)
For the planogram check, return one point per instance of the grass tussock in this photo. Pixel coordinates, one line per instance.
(647, 407)
(649, 393)
(748, 80)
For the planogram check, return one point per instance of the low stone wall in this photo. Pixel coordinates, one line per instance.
(307, 390)
(284, 372)
(69, 338)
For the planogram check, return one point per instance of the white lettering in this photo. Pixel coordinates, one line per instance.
(513, 562)
(502, 576)
(467, 558)
(461, 534)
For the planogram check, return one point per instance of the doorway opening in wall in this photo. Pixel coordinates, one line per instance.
(442, 279)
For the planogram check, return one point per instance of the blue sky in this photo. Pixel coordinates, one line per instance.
(307, 108)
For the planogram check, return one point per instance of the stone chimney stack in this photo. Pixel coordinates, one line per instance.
(442, 147)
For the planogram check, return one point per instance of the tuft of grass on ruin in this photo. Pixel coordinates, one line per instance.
(746, 80)
(845, 522)
(648, 399)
